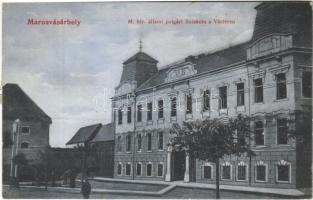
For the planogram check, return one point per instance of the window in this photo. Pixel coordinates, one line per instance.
(173, 107)
(241, 172)
(139, 142)
(24, 145)
(138, 169)
(128, 169)
(149, 141)
(281, 89)
(160, 169)
(258, 90)
(307, 84)
(129, 114)
(261, 173)
(189, 104)
(160, 106)
(149, 111)
(259, 133)
(207, 172)
(226, 172)
(283, 171)
(120, 116)
(149, 169)
(282, 137)
(119, 169)
(223, 97)
(26, 130)
(128, 143)
(206, 100)
(240, 94)
(160, 143)
(139, 110)
(119, 143)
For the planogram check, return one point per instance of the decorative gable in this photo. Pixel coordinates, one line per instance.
(180, 71)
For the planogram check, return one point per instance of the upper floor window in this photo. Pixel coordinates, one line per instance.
(173, 106)
(128, 143)
(282, 135)
(120, 116)
(129, 114)
(139, 142)
(24, 145)
(139, 113)
(119, 143)
(281, 88)
(188, 104)
(149, 111)
(25, 130)
(258, 90)
(223, 97)
(149, 141)
(160, 143)
(259, 133)
(160, 109)
(240, 94)
(307, 84)
(206, 100)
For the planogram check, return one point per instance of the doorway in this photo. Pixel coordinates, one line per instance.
(179, 162)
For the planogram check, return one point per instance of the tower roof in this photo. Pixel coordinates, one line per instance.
(140, 56)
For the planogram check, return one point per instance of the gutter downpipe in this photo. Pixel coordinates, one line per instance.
(249, 112)
(134, 148)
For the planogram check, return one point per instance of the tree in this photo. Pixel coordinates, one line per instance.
(212, 139)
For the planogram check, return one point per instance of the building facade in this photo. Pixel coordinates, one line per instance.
(268, 78)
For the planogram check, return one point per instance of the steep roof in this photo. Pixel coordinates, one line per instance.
(17, 104)
(85, 134)
(106, 133)
(204, 63)
(142, 56)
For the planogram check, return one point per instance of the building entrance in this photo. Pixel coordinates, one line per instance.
(179, 162)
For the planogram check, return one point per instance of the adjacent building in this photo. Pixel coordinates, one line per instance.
(268, 78)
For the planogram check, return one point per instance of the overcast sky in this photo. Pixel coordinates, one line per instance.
(71, 71)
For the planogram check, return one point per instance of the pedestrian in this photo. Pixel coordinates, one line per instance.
(86, 189)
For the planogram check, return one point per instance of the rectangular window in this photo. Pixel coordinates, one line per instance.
(24, 145)
(25, 130)
(138, 169)
(223, 97)
(128, 169)
(281, 88)
(258, 90)
(149, 141)
(139, 142)
(242, 172)
(206, 100)
(139, 113)
(173, 107)
(149, 111)
(261, 173)
(307, 84)
(129, 114)
(240, 94)
(149, 169)
(259, 133)
(120, 116)
(160, 169)
(119, 169)
(160, 109)
(207, 172)
(160, 144)
(282, 137)
(188, 104)
(226, 172)
(128, 143)
(283, 173)
(119, 143)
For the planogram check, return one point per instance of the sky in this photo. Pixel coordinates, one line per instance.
(71, 71)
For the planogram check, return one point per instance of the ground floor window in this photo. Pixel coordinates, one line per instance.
(160, 169)
(149, 169)
(261, 170)
(138, 169)
(119, 169)
(242, 171)
(207, 172)
(226, 171)
(128, 169)
(283, 171)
